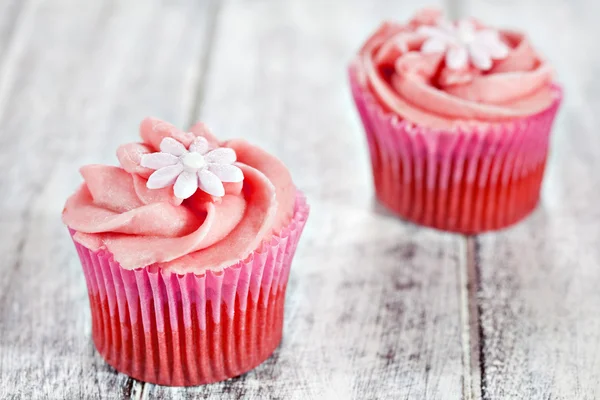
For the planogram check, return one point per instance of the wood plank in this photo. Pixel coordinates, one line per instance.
(373, 304)
(82, 75)
(371, 311)
(11, 18)
(538, 295)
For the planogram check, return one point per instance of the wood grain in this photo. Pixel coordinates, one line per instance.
(11, 18)
(81, 77)
(538, 295)
(376, 308)
(372, 308)
(371, 313)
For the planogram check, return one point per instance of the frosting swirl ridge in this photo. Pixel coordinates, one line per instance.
(415, 79)
(115, 210)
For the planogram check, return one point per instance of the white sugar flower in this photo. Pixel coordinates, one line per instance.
(463, 43)
(191, 169)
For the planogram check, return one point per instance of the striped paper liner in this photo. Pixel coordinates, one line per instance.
(185, 330)
(469, 180)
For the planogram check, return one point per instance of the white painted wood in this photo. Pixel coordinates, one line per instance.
(539, 297)
(372, 308)
(376, 308)
(372, 313)
(79, 76)
(11, 13)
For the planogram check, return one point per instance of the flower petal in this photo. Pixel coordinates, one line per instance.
(226, 172)
(480, 57)
(457, 57)
(164, 177)
(186, 185)
(447, 27)
(200, 145)
(200, 129)
(158, 160)
(433, 45)
(153, 131)
(222, 155)
(492, 42)
(172, 146)
(498, 51)
(210, 183)
(466, 30)
(487, 36)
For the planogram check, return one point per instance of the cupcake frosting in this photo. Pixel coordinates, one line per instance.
(436, 73)
(181, 200)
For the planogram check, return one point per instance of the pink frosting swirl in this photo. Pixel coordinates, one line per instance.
(420, 88)
(114, 210)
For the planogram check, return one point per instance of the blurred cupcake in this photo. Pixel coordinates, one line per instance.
(458, 118)
(186, 249)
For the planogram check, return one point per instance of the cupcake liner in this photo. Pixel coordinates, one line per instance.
(469, 180)
(185, 330)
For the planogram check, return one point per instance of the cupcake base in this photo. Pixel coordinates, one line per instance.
(186, 330)
(468, 180)
(462, 208)
(189, 356)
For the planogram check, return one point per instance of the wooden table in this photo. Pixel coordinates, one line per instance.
(376, 308)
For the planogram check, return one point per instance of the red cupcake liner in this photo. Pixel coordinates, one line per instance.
(186, 330)
(470, 180)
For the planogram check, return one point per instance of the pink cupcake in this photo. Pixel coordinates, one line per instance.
(186, 250)
(458, 119)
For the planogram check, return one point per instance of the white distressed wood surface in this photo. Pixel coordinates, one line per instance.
(372, 309)
(376, 308)
(538, 296)
(81, 76)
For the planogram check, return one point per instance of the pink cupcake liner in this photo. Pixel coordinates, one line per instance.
(470, 180)
(184, 330)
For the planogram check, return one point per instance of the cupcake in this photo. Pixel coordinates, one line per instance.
(186, 250)
(457, 117)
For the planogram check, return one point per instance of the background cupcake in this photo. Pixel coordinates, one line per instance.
(186, 250)
(458, 118)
